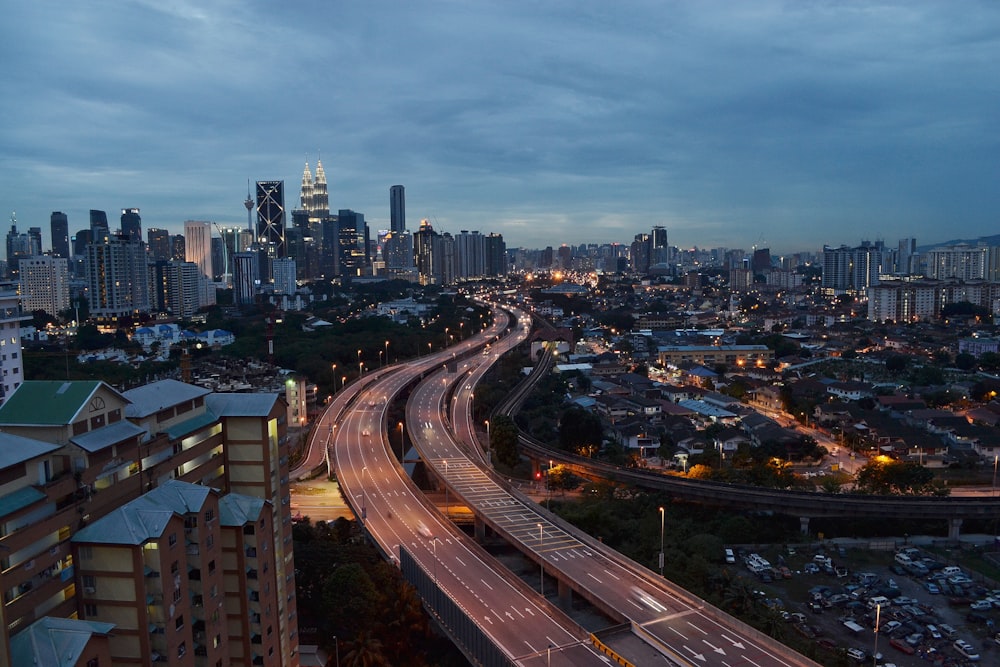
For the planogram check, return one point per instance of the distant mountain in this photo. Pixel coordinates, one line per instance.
(982, 240)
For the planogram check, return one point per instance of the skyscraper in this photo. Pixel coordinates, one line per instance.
(198, 245)
(44, 283)
(59, 228)
(99, 230)
(271, 217)
(397, 209)
(132, 223)
(117, 278)
(159, 243)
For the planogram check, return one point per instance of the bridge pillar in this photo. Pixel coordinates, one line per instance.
(804, 525)
(480, 529)
(954, 529)
(565, 596)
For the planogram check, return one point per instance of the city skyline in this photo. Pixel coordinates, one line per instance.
(787, 126)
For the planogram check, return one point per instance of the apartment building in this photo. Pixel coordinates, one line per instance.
(710, 355)
(71, 453)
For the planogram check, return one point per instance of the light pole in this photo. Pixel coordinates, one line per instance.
(380, 358)
(361, 368)
(548, 656)
(548, 487)
(343, 381)
(663, 515)
(386, 353)
(878, 613)
(335, 377)
(446, 514)
(336, 648)
(401, 442)
(541, 562)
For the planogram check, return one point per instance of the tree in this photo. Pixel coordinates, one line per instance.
(965, 361)
(503, 440)
(896, 362)
(579, 430)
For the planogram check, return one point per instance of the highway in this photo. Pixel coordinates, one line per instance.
(675, 627)
(395, 514)
(661, 615)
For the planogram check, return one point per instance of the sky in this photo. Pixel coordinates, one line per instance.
(737, 124)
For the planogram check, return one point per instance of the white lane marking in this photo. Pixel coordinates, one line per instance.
(696, 628)
(486, 584)
(594, 578)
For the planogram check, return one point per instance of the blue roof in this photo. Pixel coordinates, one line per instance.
(19, 499)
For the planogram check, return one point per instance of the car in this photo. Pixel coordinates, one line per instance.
(897, 569)
(933, 631)
(902, 601)
(366, 433)
(914, 639)
(932, 588)
(810, 568)
(981, 605)
(857, 654)
(966, 650)
(901, 645)
(798, 617)
(889, 627)
(730, 556)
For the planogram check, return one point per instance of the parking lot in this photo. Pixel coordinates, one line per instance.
(927, 609)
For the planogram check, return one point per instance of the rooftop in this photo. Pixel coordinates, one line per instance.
(151, 398)
(56, 642)
(48, 403)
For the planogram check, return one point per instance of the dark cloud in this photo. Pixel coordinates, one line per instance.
(799, 123)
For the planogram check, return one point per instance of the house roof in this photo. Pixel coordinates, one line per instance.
(155, 396)
(14, 449)
(147, 516)
(57, 642)
(241, 405)
(48, 403)
(237, 509)
(112, 434)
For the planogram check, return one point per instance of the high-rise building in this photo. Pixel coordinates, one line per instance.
(246, 278)
(80, 241)
(178, 248)
(321, 198)
(198, 245)
(11, 363)
(639, 254)
(131, 223)
(158, 241)
(961, 261)
(906, 256)
(44, 283)
(59, 229)
(496, 255)
(353, 252)
(284, 275)
(470, 249)
(854, 270)
(21, 246)
(761, 260)
(99, 230)
(397, 253)
(271, 217)
(660, 251)
(424, 253)
(117, 278)
(397, 209)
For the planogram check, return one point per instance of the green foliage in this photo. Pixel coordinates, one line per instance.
(965, 361)
(895, 478)
(503, 440)
(580, 431)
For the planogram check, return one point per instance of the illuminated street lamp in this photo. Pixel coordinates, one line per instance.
(400, 442)
(386, 353)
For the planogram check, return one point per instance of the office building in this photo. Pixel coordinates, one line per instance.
(906, 256)
(158, 241)
(495, 255)
(353, 256)
(284, 276)
(59, 229)
(84, 462)
(246, 278)
(397, 209)
(44, 284)
(424, 251)
(198, 245)
(178, 250)
(99, 230)
(131, 223)
(271, 217)
(20, 246)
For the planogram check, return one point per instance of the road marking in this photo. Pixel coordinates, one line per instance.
(678, 633)
(486, 584)
(735, 643)
(696, 627)
(697, 656)
(594, 578)
(460, 561)
(713, 647)
(612, 574)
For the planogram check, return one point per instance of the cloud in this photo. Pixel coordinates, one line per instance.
(800, 123)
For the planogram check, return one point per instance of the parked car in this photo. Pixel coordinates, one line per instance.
(857, 654)
(914, 639)
(981, 605)
(932, 588)
(901, 645)
(966, 650)
(889, 627)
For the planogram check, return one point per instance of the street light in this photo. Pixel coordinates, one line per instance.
(663, 515)
(541, 562)
(878, 613)
(335, 377)
(380, 358)
(386, 353)
(995, 460)
(401, 442)
(548, 487)
(446, 489)
(343, 381)
(336, 648)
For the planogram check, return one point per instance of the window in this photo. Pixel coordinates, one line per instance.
(209, 541)
(209, 515)
(93, 662)
(172, 539)
(177, 595)
(86, 553)
(89, 583)
(217, 641)
(173, 567)
(215, 590)
(90, 610)
(182, 649)
(179, 623)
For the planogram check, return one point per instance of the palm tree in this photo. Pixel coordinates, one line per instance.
(364, 651)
